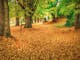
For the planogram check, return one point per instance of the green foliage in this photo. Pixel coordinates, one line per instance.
(42, 8)
(14, 9)
(68, 10)
(65, 8)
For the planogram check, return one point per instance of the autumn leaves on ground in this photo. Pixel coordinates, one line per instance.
(42, 42)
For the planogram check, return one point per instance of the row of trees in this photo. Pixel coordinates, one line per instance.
(28, 6)
(32, 7)
(60, 8)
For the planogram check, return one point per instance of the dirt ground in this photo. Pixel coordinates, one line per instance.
(42, 42)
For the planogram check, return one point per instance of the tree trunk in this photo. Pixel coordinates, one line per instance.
(17, 15)
(77, 24)
(17, 21)
(28, 21)
(30, 4)
(6, 18)
(54, 19)
(1, 18)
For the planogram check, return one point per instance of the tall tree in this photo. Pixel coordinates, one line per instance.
(77, 8)
(7, 24)
(29, 7)
(1, 18)
(17, 13)
(4, 19)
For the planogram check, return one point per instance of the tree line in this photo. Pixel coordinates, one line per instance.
(33, 7)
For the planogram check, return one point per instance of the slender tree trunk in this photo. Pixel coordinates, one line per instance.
(17, 16)
(77, 24)
(17, 21)
(54, 19)
(6, 17)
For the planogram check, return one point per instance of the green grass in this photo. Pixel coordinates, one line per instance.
(59, 25)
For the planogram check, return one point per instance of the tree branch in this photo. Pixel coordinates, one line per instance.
(21, 5)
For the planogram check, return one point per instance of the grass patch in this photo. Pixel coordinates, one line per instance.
(59, 25)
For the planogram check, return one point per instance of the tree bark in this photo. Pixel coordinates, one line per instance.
(6, 16)
(77, 24)
(28, 21)
(17, 15)
(1, 18)
(28, 18)
(17, 21)
(4, 19)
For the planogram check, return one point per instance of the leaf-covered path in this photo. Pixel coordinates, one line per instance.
(42, 42)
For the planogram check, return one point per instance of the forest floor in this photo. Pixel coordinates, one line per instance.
(42, 42)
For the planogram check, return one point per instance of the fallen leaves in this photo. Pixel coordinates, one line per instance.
(42, 42)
